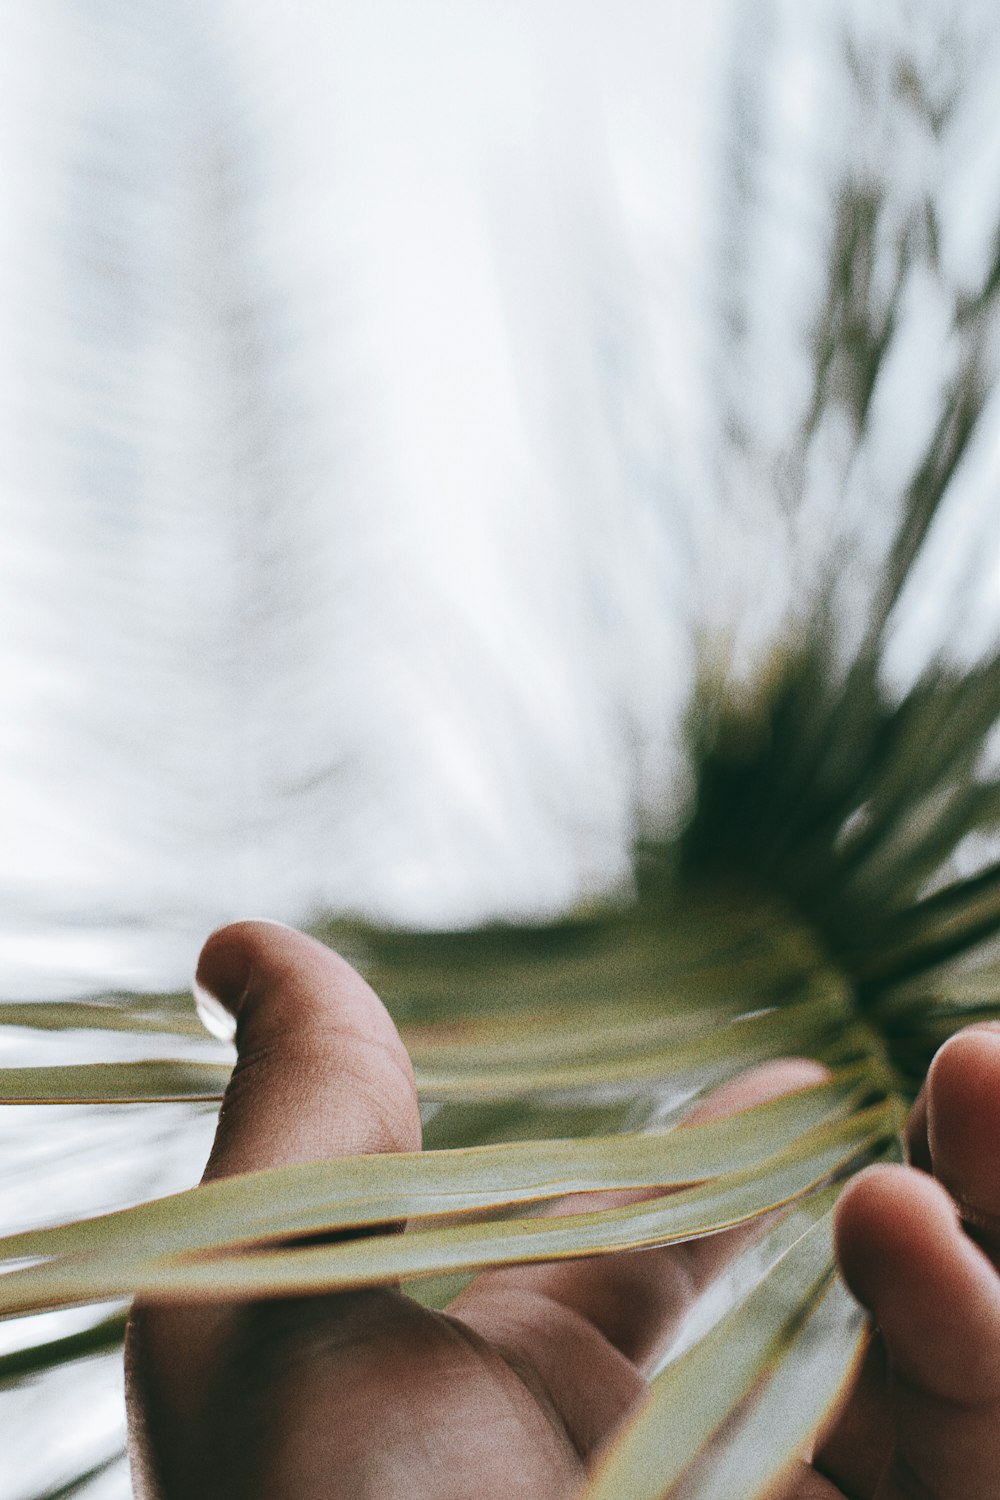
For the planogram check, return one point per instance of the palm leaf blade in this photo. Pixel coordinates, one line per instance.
(346, 1193)
(719, 1204)
(693, 1398)
(801, 1396)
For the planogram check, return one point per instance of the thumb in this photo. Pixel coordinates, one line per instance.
(321, 1070)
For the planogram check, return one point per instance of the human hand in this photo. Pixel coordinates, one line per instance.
(514, 1389)
(920, 1247)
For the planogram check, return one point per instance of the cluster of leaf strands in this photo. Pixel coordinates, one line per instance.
(560, 1060)
(810, 907)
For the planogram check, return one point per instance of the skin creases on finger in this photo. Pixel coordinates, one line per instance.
(320, 1072)
(369, 1396)
(348, 1396)
(936, 1300)
(596, 1325)
(939, 1390)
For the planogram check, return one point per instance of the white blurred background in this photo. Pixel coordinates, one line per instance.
(393, 400)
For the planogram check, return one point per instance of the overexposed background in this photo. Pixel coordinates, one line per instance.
(393, 399)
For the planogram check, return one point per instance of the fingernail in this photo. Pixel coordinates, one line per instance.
(213, 1015)
(220, 981)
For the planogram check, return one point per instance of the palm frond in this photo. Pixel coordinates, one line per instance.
(813, 903)
(744, 1350)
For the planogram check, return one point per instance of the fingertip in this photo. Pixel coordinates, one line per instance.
(947, 1076)
(972, 1053)
(932, 1292)
(228, 955)
(964, 1079)
(225, 967)
(219, 981)
(884, 1211)
(321, 1069)
(268, 977)
(963, 1124)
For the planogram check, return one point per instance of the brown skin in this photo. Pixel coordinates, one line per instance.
(512, 1391)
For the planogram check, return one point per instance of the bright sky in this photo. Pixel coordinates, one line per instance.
(363, 391)
(366, 454)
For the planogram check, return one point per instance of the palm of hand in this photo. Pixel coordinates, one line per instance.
(372, 1395)
(515, 1389)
